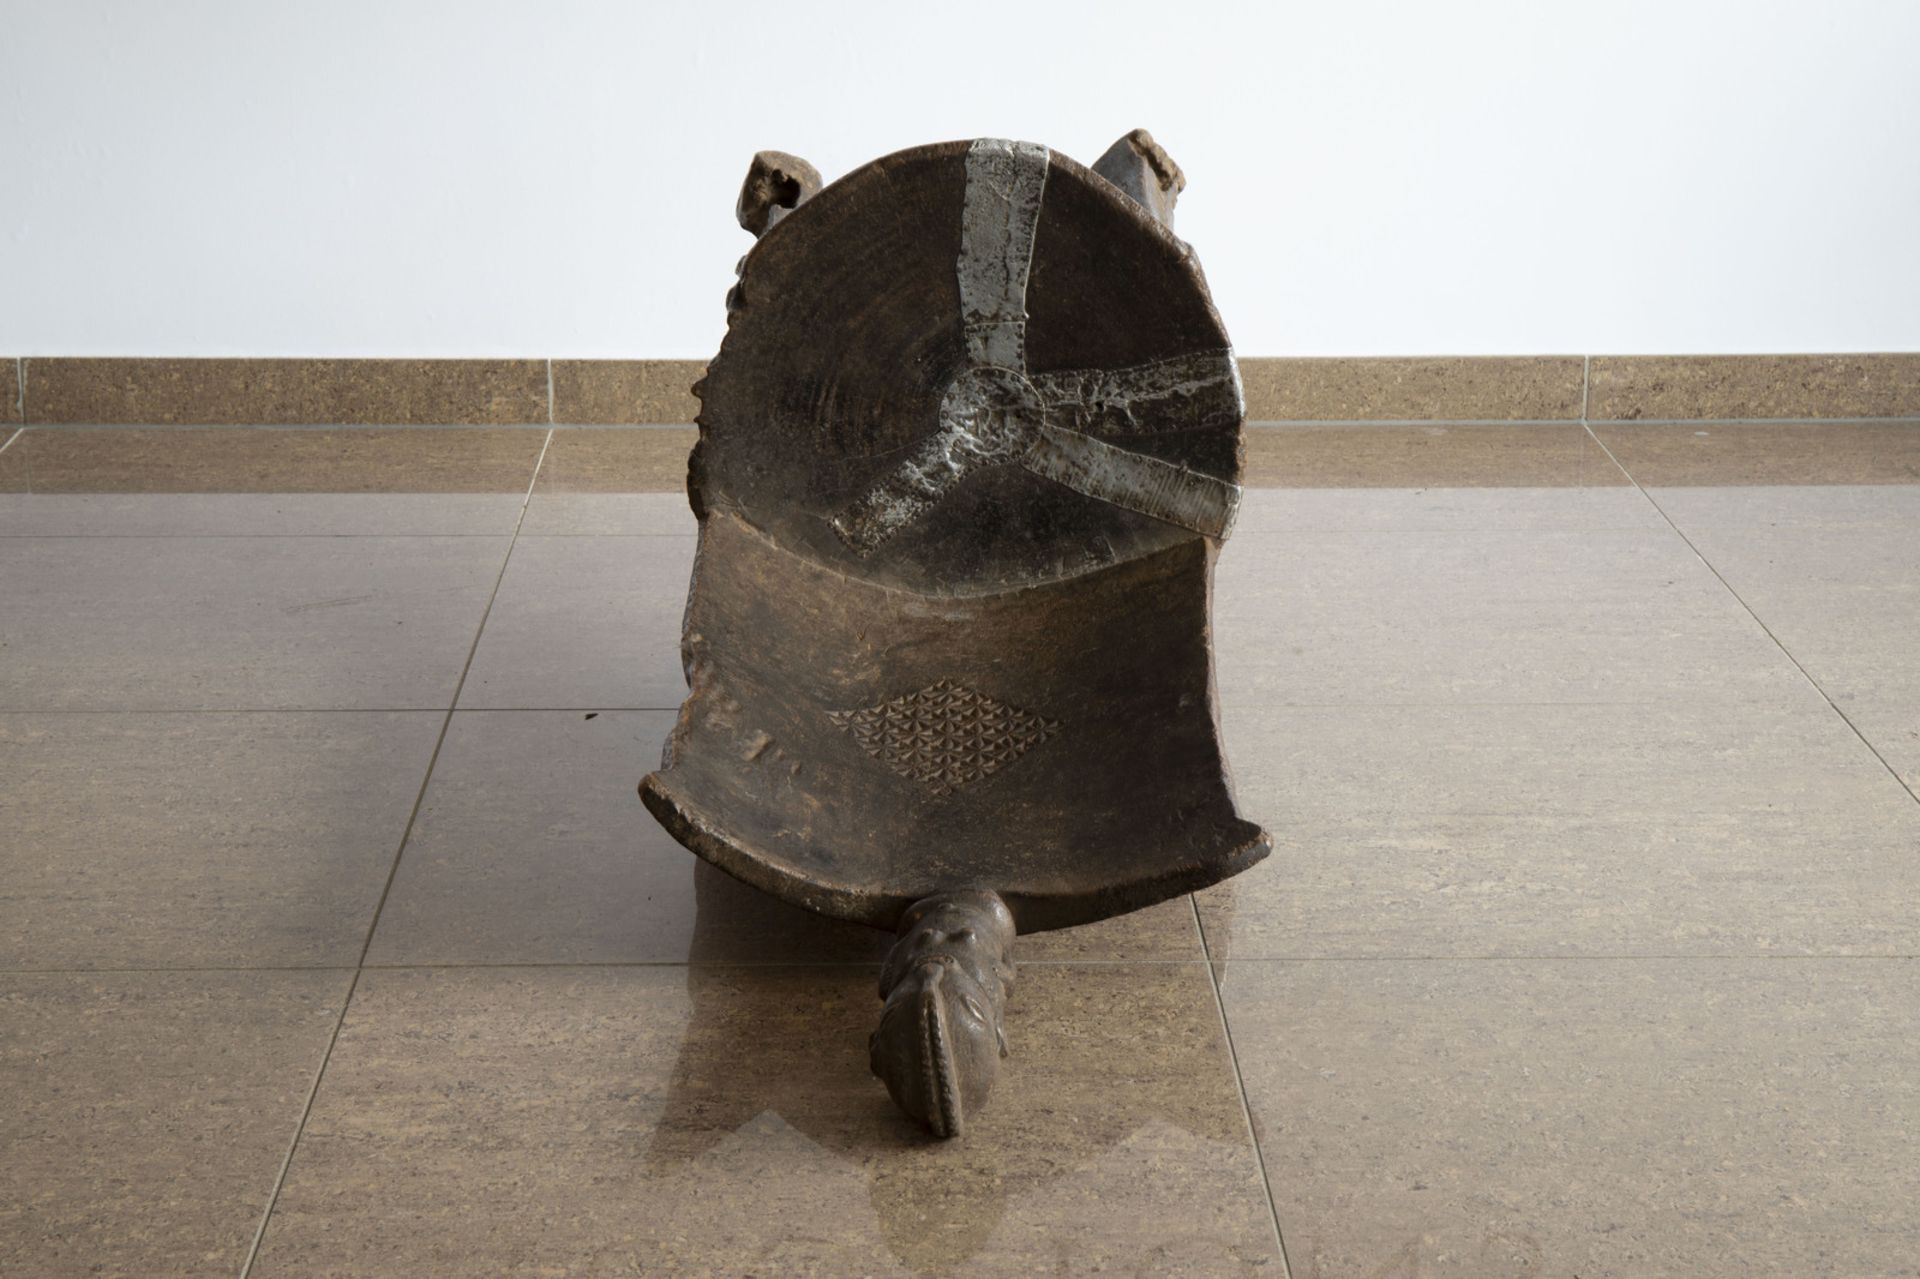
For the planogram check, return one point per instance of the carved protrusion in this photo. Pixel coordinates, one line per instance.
(776, 185)
(1141, 167)
(945, 984)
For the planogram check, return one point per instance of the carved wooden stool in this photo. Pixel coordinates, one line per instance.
(966, 457)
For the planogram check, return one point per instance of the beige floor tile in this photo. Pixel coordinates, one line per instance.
(721, 1121)
(625, 481)
(257, 514)
(225, 481)
(1428, 455)
(533, 847)
(13, 462)
(1773, 454)
(610, 514)
(617, 460)
(1830, 505)
(1844, 601)
(209, 840)
(1790, 473)
(1439, 510)
(1893, 726)
(146, 1115)
(1560, 830)
(1396, 618)
(238, 459)
(1168, 931)
(1492, 1120)
(231, 623)
(588, 622)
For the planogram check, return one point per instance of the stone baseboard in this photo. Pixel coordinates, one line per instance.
(52, 391)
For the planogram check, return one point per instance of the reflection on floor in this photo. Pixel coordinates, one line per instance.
(336, 942)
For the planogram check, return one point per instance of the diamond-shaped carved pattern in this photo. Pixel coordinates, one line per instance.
(945, 735)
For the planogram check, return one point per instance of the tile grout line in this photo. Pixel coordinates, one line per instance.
(1240, 1082)
(708, 965)
(1586, 425)
(1758, 621)
(20, 387)
(1149, 961)
(549, 393)
(286, 1161)
(393, 871)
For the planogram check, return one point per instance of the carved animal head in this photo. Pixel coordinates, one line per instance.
(940, 1041)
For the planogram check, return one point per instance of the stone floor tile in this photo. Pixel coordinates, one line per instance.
(621, 461)
(1425, 455)
(721, 1120)
(1778, 455)
(587, 622)
(617, 460)
(146, 1115)
(1747, 474)
(1844, 601)
(1434, 477)
(1831, 505)
(239, 623)
(13, 460)
(239, 481)
(257, 514)
(1440, 510)
(610, 514)
(1492, 1120)
(613, 481)
(1557, 830)
(532, 847)
(238, 459)
(1892, 726)
(210, 840)
(1399, 618)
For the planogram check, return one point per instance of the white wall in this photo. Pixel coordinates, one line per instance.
(556, 177)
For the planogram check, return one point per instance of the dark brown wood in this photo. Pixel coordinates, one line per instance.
(849, 336)
(945, 984)
(854, 748)
(1141, 167)
(967, 456)
(776, 185)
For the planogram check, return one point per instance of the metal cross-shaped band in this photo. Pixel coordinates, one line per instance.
(994, 413)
